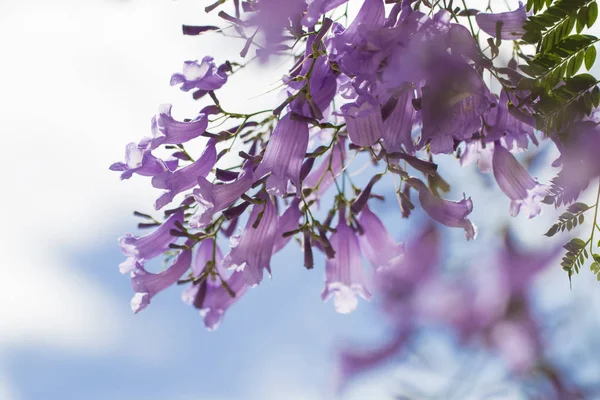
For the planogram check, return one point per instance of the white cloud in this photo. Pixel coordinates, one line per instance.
(79, 81)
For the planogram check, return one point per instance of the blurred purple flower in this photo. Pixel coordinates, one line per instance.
(454, 100)
(516, 183)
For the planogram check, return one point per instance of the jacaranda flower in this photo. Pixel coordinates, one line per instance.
(152, 245)
(146, 284)
(375, 242)
(203, 76)
(141, 162)
(167, 130)
(449, 213)
(516, 183)
(344, 272)
(284, 155)
(511, 23)
(211, 296)
(251, 251)
(184, 178)
(212, 197)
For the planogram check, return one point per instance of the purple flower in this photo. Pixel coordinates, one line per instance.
(210, 296)
(516, 183)
(204, 76)
(376, 243)
(363, 122)
(167, 130)
(353, 362)
(322, 85)
(152, 245)
(399, 281)
(344, 273)
(139, 161)
(324, 175)
(453, 102)
(184, 178)
(397, 127)
(284, 155)
(449, 213)
(512, 23)
(212, 198)
(579, 159)
(371, 14)
(317, 8)
(476, 152)
(146, 284)
(506, 126)
(287, 222)
(252, 250)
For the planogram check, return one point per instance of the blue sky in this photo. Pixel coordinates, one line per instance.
(83, 79)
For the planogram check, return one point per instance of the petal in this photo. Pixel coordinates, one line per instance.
(512, 23)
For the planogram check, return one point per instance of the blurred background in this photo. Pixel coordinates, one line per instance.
(78, 81)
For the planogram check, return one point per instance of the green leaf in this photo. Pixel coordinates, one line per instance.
(552, 231)
(592, 14)
(590, 57)
(582, 18)
(596, 96)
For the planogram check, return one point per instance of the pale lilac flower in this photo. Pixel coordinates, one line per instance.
(141, 162)
(397, 127)
(184, 178)
(210, 296)
(363, 122)
(375, 242)
(516, 183)
(251, 251)
(203, 76)
(450, 213)
(146, 284)
(167, 130)
(284, 155)
(288, 221)
(212, 198)
(512, 23)
(152, 245)
(344, 272)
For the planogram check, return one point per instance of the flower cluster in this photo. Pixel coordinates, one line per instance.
(402, 84)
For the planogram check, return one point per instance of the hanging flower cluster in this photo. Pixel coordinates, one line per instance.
(401, 84)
